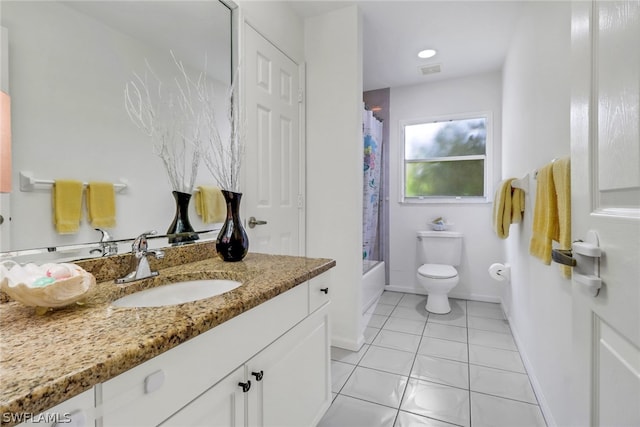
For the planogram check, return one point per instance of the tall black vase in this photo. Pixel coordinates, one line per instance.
(180, 231)
(232, 243)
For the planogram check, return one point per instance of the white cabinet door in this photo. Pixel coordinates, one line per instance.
(223, 405)
(76, 412)
(606, 208)
(295, 387)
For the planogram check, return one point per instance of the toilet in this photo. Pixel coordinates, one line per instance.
(439, 253)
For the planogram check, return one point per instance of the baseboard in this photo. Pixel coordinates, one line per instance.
(452, 294)
(405, 289)
(474, 297)
(347, 344)
(537, 388)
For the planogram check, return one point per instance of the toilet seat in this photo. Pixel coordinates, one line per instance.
(437, 271)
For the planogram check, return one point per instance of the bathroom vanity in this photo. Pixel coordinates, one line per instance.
(256, 355)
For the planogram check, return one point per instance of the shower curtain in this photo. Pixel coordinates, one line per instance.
(372, 132)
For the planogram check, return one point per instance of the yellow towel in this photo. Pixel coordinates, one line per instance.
(517, 205)
(210, 204)
(545, 216)
(562, 183)
(101, 204)
(67, 205)
(502, 209)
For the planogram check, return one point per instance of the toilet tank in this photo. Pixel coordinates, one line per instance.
(440, 247)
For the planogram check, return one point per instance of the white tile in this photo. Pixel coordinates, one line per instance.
(407, 419)
(389, 297)
(437, 401)
(348, 356)
(397, 340)
(442, 371)
(457, 317)
(446, 332)
(486, 324)
(405, 325)
(444, 348)
(340, 374)
(413, 301)
(377, 321)
(370, 334)
(485, 309)
(383, 309)
(376, 386)
(347, 411)
(496, 358)
(388, 360)
(492, 339)
(511, 385)
(417, 313)
(490, 411)
(458, 304)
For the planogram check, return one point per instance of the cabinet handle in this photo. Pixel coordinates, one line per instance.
(325, 290)
(258, 375)
(154, 381)
(245, 386)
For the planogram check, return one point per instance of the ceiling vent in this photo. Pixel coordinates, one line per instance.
(430, 69)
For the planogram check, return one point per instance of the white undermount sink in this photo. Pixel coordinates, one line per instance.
(177, 293)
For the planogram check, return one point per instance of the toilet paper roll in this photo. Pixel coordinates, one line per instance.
(499, 271)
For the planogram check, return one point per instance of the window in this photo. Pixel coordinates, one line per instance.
(446, 159)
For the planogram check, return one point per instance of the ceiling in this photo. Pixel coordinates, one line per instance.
(471, 37)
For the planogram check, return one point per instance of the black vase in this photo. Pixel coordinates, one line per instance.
(232, 243)
(180, 231)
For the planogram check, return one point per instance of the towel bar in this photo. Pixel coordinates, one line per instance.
(522, 183)
(28, 183)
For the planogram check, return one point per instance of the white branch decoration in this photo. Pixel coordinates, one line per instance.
(223, 156)
(172, 119)
(184, 130)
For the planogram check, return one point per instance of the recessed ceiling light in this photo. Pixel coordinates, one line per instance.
(427, 53)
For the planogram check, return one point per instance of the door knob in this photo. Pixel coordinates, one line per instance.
(253, 222)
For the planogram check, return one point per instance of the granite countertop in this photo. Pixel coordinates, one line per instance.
(47, 359)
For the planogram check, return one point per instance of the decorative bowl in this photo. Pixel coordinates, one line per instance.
(48, 285)
(438, 224)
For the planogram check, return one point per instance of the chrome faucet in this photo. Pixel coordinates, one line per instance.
(107, 245)
(140, 268)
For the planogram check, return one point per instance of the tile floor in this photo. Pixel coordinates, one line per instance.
(423, 369)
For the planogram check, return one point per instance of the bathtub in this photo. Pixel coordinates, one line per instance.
(373, 281)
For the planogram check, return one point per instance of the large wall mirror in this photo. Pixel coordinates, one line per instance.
(69, 63)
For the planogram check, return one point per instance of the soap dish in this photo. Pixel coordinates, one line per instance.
(45, 286)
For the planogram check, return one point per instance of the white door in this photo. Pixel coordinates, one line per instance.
(273, 195)
(605, 154)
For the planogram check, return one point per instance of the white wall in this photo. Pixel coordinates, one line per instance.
(68, 74)
(278, 23)
(333, 47)
(481, 247)
(536, 95)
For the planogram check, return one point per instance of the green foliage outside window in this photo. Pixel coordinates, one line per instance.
(445, 159)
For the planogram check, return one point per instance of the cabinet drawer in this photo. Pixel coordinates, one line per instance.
(152, 391)
(319, 291)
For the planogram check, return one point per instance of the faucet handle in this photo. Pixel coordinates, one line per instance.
(140, 244)
(106, 237)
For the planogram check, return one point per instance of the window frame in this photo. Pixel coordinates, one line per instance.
(488, 160)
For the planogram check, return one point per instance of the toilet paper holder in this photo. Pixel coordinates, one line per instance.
(500, 272)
